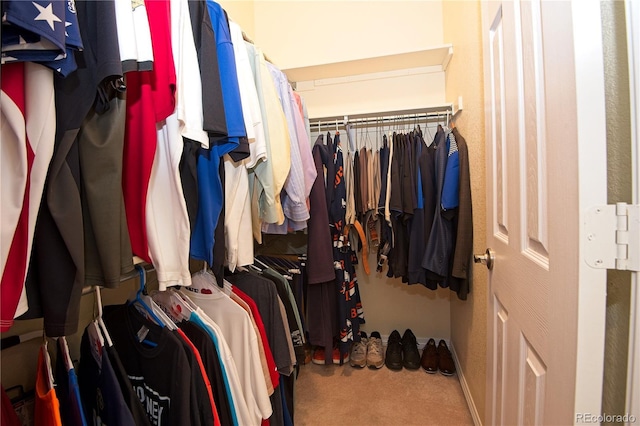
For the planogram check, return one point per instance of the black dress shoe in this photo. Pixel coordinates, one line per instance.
(393, 356)
(410, 353)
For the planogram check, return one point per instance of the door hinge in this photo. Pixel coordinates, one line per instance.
(612, 237)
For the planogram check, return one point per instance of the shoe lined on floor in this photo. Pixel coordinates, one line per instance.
(410, 353)
(358, 356)
(445, 361)
(336, 356)
(318, 356)
(393, 358)
(429, 360)
(375, 354)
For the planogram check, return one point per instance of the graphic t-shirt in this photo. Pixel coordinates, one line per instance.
(161, 374)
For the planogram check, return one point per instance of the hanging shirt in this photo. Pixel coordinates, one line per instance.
(350, 311)
(43, 32)
(134, 36)
(263, 355)
(102, 398)
(210, 192)
(237, 215)
(28, 113)
(210, 360)
(440, 243)
(320, 256)
(47, 406)
(237, 330)
(68, 391)
(168, 227)
(269, 176)
(240, 411)
(293, 196)
(202, 386)
(150, 100)
(450, 186)
(271, 364)
(264, 294)
(167, 392)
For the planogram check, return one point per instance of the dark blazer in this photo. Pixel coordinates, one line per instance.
(463, 253)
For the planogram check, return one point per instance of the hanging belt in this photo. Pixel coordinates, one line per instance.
(365, 246)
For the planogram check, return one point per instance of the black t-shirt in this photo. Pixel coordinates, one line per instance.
(201, 340)
(160, 374)
(264, 294)
(201, 401)
(130, 398)
(98, 61)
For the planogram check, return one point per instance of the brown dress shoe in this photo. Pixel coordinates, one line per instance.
(445, 361)
(429, 360)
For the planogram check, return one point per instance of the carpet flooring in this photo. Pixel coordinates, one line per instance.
(335, 395)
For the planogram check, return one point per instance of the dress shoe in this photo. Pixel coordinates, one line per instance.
(429, 360)
(393, 357)
(410, 353)
(445, 361)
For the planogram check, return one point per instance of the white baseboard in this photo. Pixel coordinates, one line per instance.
(465, 388)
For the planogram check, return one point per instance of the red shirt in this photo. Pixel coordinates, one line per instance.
(150, 100)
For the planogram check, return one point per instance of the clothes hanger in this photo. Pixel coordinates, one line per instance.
(99, 323)
(185, 299)
(64, 346)
(173, 305)
(261, 263)
(47, 361)
(207, 285)
(142, 306)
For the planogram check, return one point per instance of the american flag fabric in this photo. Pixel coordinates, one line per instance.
(43, 31)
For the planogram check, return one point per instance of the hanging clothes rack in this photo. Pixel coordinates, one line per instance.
(436, 113)
(126, 277)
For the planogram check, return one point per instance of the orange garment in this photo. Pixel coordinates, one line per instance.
(47, 406)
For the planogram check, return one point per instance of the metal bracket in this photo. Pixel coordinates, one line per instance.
(612, 237)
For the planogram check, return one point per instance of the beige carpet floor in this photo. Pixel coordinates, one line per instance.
(334, 395)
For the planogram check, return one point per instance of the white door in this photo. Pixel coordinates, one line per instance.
(546, 164)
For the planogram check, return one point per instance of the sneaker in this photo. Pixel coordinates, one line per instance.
(375, 354)
(318, 356)
(393, 358)
(358, 357)
(336, 356)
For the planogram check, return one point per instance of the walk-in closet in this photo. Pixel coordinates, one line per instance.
(257, 212)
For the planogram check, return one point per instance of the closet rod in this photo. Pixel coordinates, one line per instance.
(434, 113)
(126, 277)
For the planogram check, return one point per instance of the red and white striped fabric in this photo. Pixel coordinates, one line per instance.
(28, 131)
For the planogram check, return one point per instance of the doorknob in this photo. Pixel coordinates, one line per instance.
(488, 258)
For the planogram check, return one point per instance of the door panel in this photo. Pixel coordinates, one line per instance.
(498, 141)
(533, 179)
(534, 210)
